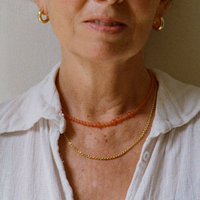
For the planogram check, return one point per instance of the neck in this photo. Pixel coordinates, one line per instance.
(94, 91)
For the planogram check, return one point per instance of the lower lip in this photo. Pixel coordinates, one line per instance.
(105, 29)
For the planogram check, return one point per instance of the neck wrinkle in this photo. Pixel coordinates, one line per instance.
(99, 92)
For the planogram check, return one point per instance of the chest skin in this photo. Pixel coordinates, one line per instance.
(96, 179)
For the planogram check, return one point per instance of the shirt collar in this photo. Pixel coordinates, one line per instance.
(40, 101)
(177, 103)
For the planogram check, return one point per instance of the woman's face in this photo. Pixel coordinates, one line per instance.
(101, 30)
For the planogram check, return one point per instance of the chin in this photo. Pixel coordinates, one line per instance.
(103, 52)
(101, 57)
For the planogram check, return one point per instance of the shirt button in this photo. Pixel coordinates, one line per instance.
(145, 156)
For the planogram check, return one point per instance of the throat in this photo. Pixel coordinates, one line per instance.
(101, 96)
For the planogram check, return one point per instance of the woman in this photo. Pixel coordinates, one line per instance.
(90, 129)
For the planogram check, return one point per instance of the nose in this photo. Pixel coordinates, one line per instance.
(110, 1)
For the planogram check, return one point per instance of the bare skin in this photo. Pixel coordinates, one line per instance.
(93, 179)
(102, 76)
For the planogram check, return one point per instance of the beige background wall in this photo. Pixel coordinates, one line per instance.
(28, 49)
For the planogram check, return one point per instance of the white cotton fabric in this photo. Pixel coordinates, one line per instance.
(31, 168)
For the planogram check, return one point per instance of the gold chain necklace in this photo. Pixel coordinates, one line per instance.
(126, 150)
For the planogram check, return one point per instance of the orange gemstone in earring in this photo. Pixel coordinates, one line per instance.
(156, 25)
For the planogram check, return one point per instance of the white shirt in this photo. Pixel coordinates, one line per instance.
(31, 168)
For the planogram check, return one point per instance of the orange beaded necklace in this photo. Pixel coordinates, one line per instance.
(117, 120)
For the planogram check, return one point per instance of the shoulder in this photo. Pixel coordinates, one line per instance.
(23, 111)
(174, 86)
(19, 112)
(177, 103)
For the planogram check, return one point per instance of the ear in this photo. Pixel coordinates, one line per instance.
(162, 8)
(160, 12)
(42, 4)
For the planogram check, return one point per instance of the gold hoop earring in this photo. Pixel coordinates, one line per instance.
(157, 26)
(39, 15)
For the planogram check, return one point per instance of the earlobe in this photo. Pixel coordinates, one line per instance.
(42, 6)
(163, 6)
(38, 2)
(158, 23)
